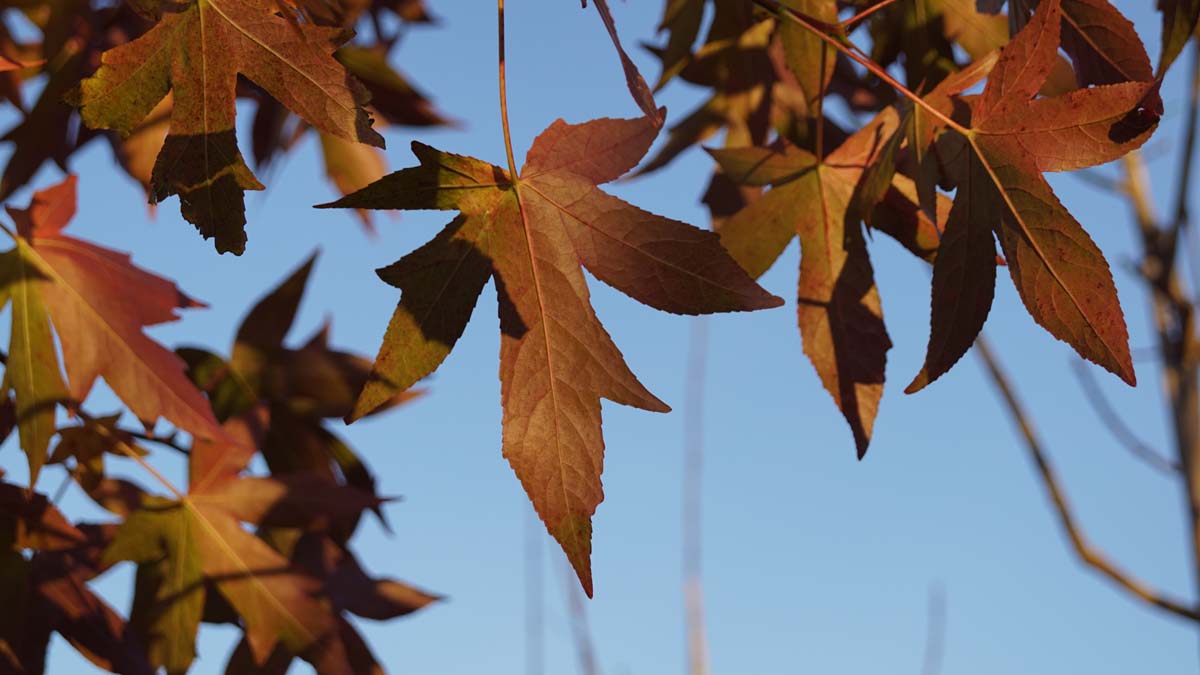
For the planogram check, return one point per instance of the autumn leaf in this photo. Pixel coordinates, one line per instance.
(531, 234)
(806, 55)
(32, 522)
(196, 51)
(351, 590)
(838, 307)
(1179, 19)
(642, 95)
(1103, 45)
(168, 599)
(186, 543)
(926, 33)
(32, 369)
(734, 63)
(98, 303)
(1060, 274)
(393, 96)
(681, 20)
(280, 398)
(279, 603)
(351, 167)
(47, 592)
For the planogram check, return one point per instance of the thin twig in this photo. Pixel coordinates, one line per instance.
(1180, 226)
(849, 24)
(165, 441)
(577, 611)
(534, 603)
(66, 483)
(1116, 424)
(76, 408)
(1175, 327)
(935, 635)
(1189, 144)
(1083, 548)
(1098, 180)
(693, 472)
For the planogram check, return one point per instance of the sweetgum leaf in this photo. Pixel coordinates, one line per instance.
(168, 590)
(681, 19)
(279, 603)
(838, 308)
(99, 303)
(1103, 45)
(531, 234)
(1179, 23)
(196, 51)
(1060, 274)
(32, 522)
(642, 95)
(32, 370)
(963, 285)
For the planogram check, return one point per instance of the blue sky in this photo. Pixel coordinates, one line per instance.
(814, 562)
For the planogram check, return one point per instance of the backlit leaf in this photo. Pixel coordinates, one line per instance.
(531, 233)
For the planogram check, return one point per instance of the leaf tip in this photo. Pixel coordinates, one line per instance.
(919, 382)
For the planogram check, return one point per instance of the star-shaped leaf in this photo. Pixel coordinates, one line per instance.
(838, 308)
(196, 51)
(99, 303)
(1060, 273)
(531, 234)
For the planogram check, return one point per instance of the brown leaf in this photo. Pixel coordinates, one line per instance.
(1060, 274)
(641, 92)
(32, 522)
(1179, 23)
(838, 307)
(1103, 45)
(531, 233)
(197, 50)
(297, 500)
(99, 303)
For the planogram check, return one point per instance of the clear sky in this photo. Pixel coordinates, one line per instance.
(814, 562)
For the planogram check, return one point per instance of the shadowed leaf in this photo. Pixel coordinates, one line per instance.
(531, 234)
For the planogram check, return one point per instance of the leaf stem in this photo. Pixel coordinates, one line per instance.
(508, 148)
(850, 23)
(166, 441)
(821, 107)
(852, 52)
(163, 480)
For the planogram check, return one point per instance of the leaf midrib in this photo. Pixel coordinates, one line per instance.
(217, 8)
(101, 320)
(250, 573)
(537, 287)
(1033, 244)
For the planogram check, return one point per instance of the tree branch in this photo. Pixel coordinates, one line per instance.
(1116, 424)
(693, 472)
(1089, 555)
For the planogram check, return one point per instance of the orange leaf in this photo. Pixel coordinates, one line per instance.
(531, 233)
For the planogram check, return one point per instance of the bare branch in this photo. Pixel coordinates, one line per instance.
(693, 453)
(1189, 145)
(1098, 180)
(1090, 556)
(1116, 424)
(585, 648)
(935, 636)
(534, 603)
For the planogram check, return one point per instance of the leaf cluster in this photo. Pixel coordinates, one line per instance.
(944, 130)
